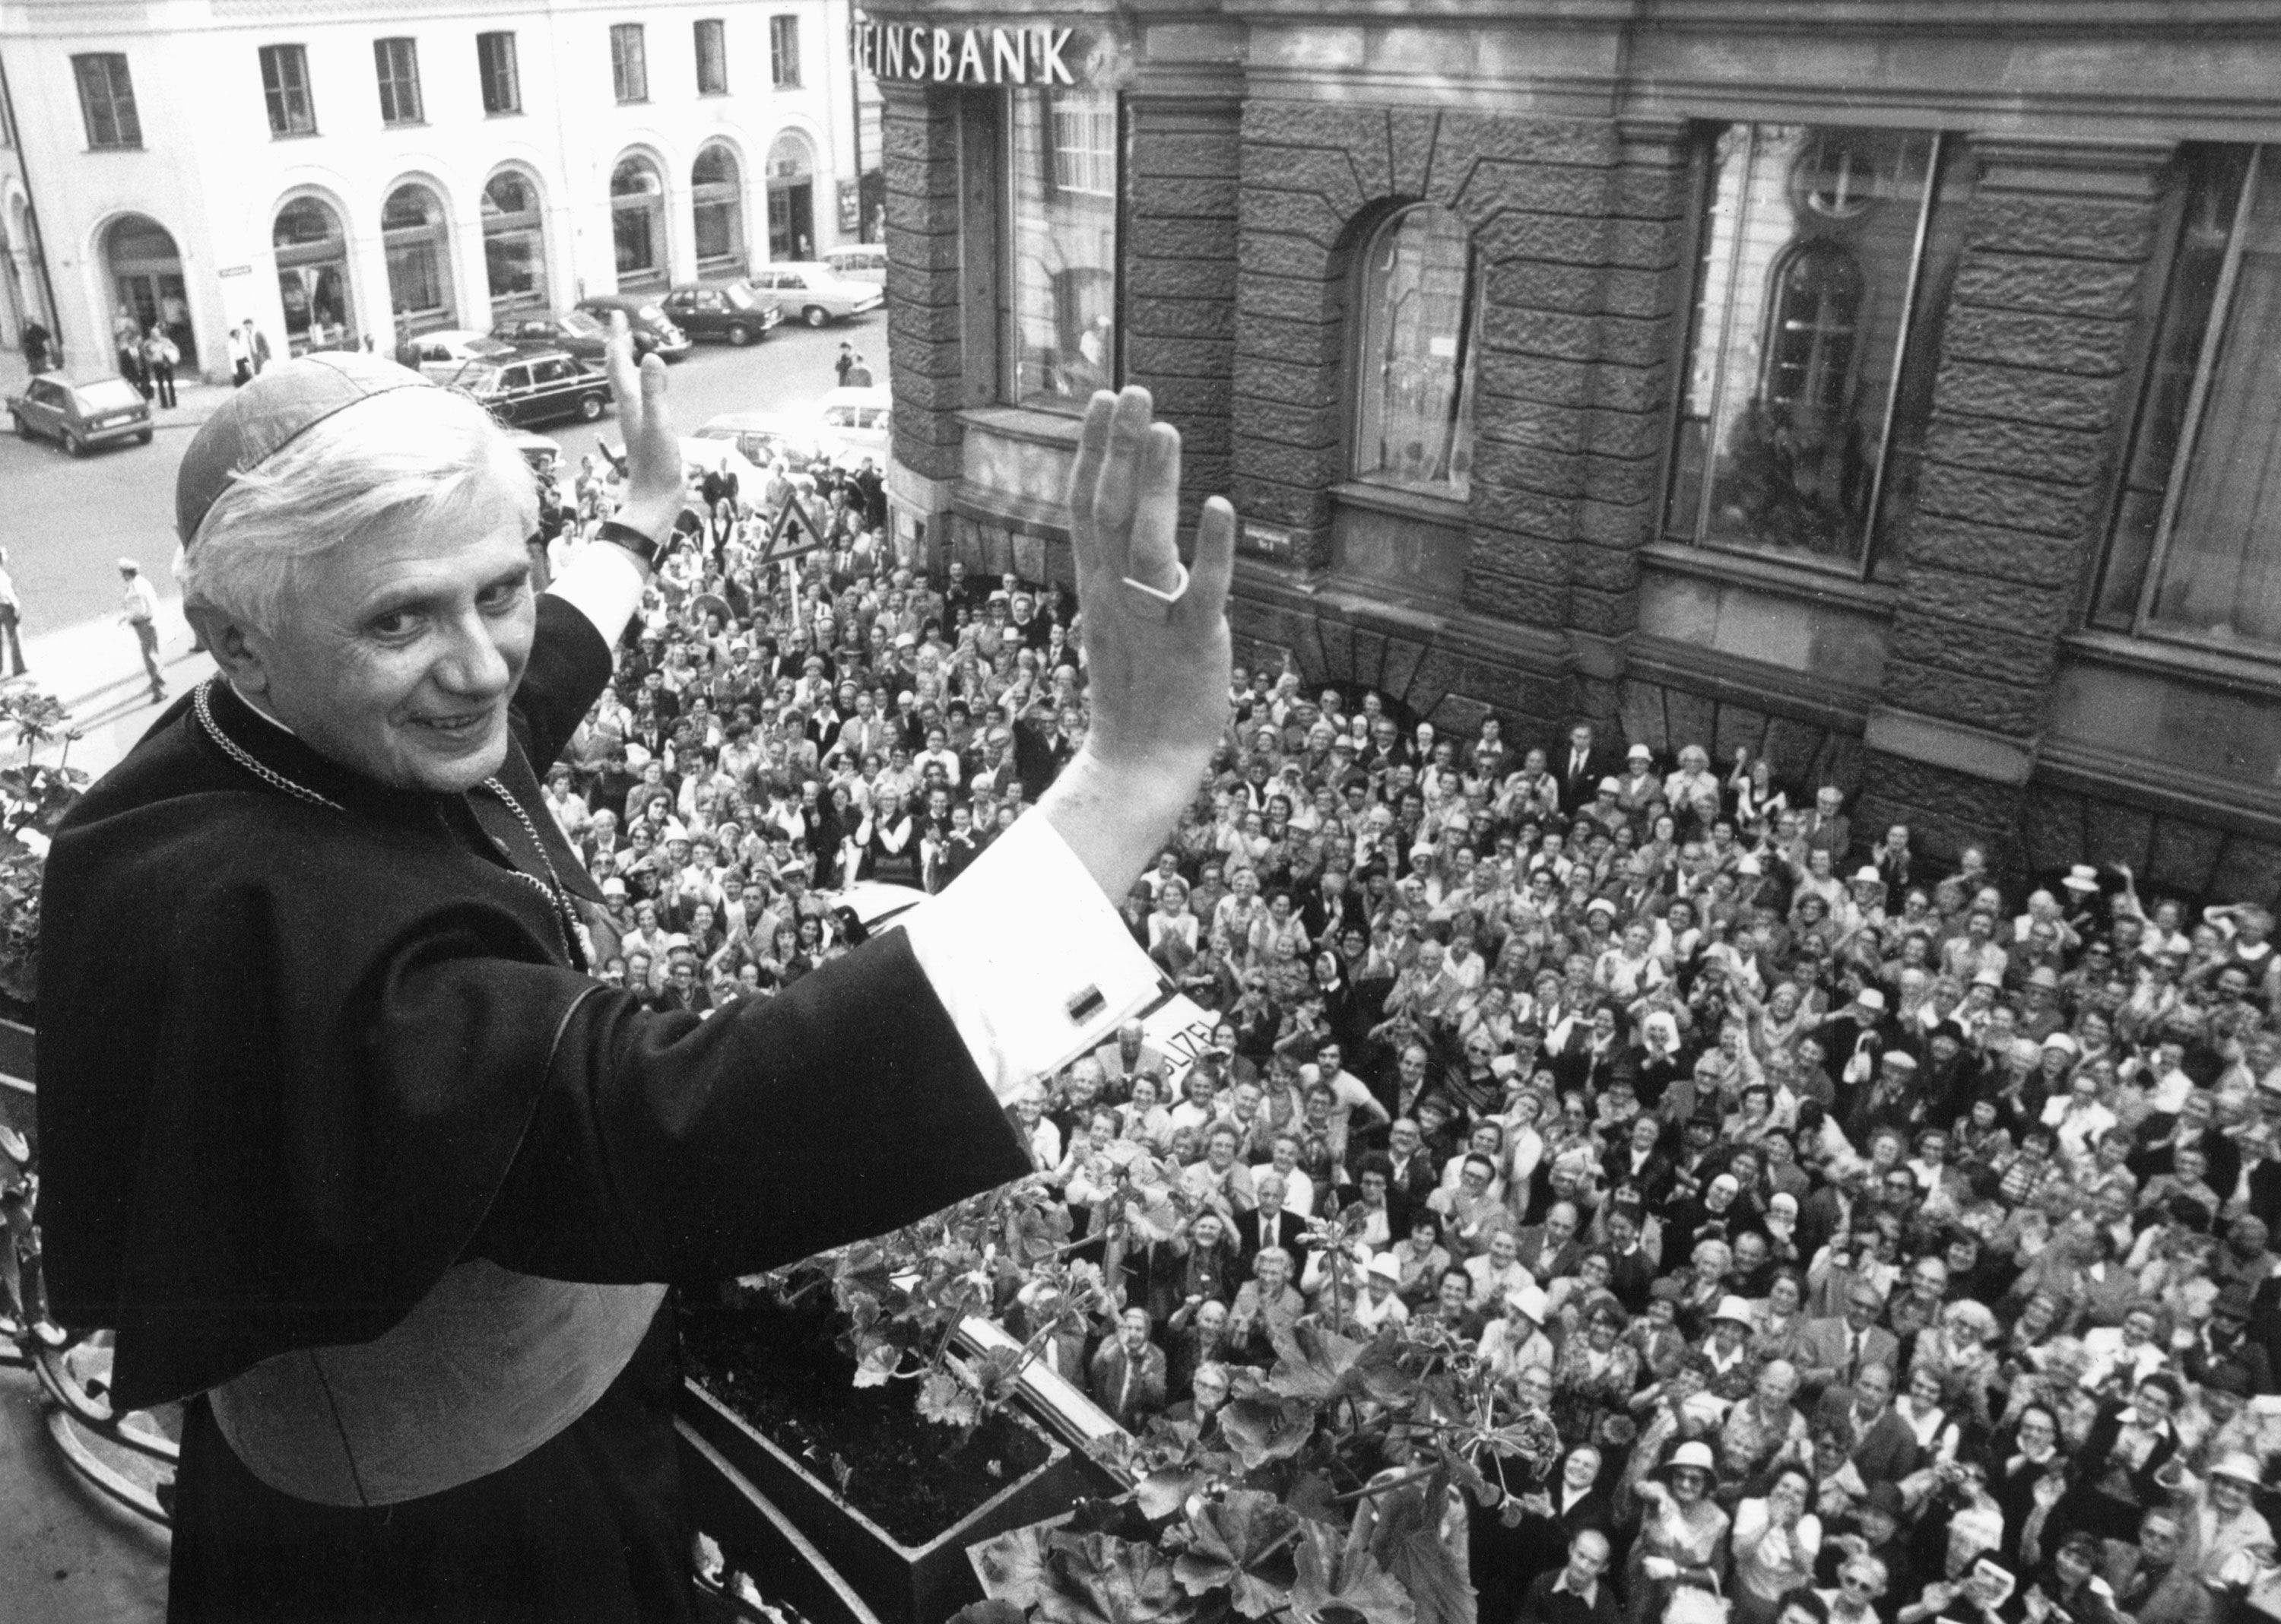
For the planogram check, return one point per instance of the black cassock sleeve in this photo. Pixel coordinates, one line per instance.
(664, 1147)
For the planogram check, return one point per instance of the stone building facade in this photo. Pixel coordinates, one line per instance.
(1868, 390)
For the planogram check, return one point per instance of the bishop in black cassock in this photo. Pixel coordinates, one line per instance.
(341, 1138)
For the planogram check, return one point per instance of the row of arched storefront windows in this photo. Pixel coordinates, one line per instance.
(144, 265)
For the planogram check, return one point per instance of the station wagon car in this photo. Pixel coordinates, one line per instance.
(535, 389)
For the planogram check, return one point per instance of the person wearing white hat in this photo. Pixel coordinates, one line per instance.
(139, 613)
(2230, 1540)
(1681, 1532)
(1379, 1303)
(1516, 1340)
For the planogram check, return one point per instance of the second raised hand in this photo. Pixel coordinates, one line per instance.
(655, 496)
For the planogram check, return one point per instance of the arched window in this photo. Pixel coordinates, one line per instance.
(1817, 315)
(716, 196)
(514, 243)
(637, 223)
(1420, 308)
(417, 238)
(312, 276)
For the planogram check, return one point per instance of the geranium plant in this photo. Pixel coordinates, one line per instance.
(1328, 1488)
(34, 797)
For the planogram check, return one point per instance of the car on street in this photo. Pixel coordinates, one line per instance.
(523, 389)
(815, 293)
(729, 311)
(859, 262)
(761, 438)
(645, 315)
(80, 416)
(575, 332)
(542, 455)
(853, 425)
(442, 352)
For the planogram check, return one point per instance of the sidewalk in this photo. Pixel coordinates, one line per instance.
(95, 670)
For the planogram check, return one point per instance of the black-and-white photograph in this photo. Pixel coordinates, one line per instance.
(1160, 812)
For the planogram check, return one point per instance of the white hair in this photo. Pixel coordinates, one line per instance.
(428, 457)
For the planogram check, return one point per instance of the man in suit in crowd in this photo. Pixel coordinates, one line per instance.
(1580, 766)
(1269, 1224)
(1837, 1351)
(1879, 1443)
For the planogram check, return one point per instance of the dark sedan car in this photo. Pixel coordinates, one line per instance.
(645, 315)
(574, 332)
(80, 416)
(727, 311)
(535, 389)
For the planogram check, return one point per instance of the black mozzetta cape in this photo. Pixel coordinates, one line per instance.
(294, 1062)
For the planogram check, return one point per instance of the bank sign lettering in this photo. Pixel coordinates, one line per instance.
(965, 56)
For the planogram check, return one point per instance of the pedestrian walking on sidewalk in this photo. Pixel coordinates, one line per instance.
(141, 611)
(12, 642)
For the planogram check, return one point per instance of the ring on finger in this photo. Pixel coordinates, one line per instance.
(1180, 587)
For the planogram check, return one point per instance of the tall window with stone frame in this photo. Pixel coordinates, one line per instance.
(1825, 253)
(285, 87)
(106, 99)
(395, 63)
(2195, 549)
(628, 63)
(1419, 332)
(1060, 334)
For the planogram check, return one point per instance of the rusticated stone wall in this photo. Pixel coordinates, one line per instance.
(926, 344)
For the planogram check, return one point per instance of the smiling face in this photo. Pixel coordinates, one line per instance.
(398, 657)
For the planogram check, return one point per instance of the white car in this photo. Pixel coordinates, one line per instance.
(859, 262)
(815, 292)
(759, 437)
(444, 352)
(854, 425)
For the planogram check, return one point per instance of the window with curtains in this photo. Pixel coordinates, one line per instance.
(1421, 310)
(783, 52)
(2195, 552)
(1825, 258)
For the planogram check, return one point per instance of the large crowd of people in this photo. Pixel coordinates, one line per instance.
(1878, 1238)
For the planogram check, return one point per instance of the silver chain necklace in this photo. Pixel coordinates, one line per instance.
(566, 917)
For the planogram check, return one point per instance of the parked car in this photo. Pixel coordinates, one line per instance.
(535, 389)
(575, 332)
(729, 311)
(445, 351)
(854, 425)
(859, 262)
(80, 416)
(644, 314)
(815, 293)
(761, 438)
(542, 455)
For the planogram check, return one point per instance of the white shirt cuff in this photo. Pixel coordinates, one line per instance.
(1033, 965)
(604, 582)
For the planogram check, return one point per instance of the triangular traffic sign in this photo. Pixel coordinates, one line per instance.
(792, 533)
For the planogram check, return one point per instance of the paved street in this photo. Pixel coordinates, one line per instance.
(64, 524)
